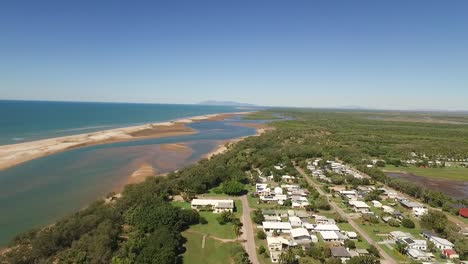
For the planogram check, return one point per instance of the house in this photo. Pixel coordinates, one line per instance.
(463, 212)
(419, 254)
(276, 246)
(302, 214)
(287, 178)
(322, 220)
(319, 228)
(299, 202)
(332, 236)
(307, 225)
(262, 189)
(450, 254)
(314, 238)
(272, 218)
(414, 243)
(418, 212)
(340, 253)
(295, 221)
(376, 204)
(269, 212)
(428, 234)
(301, 236)
(282, 227)
(441, 243)
(359, 206)
(351, 235)
(398, 215)
(278, 190)
(410, 204)
(397, 235)
(388, 209)
(215, 205)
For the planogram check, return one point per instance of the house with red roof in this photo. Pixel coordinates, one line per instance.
(464, 212)
(450, 253)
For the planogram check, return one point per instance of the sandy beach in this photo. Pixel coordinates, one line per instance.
(14, 154)
(224, 145)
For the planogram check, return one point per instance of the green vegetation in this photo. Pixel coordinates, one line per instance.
(213, 252)
(446, 173)
(144, 226)
(261, 116)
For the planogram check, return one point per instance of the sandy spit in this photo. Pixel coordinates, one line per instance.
(14, 154)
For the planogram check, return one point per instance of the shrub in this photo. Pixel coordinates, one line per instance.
(407, 223)
(203, 220)
(261, 234)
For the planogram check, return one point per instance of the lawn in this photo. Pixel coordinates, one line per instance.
(214, 251)
(447, 173)
(213, 227)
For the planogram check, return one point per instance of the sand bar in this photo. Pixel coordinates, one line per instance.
(14, 154)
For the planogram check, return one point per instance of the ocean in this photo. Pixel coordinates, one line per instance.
(22, 121)
(38, 192)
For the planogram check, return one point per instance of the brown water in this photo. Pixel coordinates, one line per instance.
(454, 189)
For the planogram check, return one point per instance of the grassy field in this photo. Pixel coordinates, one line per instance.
(447, 173)
(214, 251)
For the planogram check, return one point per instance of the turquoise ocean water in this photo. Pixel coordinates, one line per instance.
(41, 191)
(32, 120)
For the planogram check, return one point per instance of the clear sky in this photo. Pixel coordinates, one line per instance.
(379, 54)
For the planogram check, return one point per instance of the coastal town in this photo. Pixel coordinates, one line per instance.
(302, 213)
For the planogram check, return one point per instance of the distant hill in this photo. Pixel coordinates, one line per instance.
(226, 103)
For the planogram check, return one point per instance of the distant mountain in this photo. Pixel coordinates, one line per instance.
(226, 103)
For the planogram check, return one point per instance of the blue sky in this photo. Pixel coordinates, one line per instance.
(378, 54)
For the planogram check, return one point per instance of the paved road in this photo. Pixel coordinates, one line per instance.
(248, 230)
(385, 258)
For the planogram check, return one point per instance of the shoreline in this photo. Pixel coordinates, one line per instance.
(14, 154)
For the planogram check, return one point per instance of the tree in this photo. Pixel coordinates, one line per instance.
(288, 257)
(400, 247)
(258, 217)
(393, 222)
(261, 249)
(233, 188)
(408, 223)
(261, 235)
(364, 260)
(435, 220)
(373, 251)
(349, 244)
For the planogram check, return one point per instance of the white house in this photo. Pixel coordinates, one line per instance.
(418, 212)
(284, 227)
(376, 204)
(295, 221)
(301, 236)
(262, 189)
(332, 236)
(278, 190)
(215, 205)
(359, 206)
(419, 254)
(411, 243)
(319, 228)
(276, 245)
(441, 243)
(388, 209)
(396, 235)
(288, 178)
